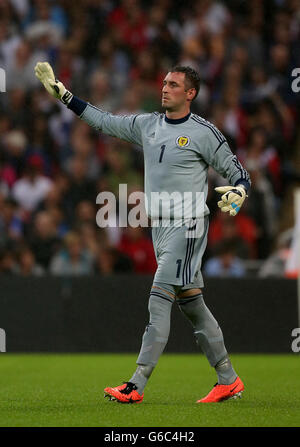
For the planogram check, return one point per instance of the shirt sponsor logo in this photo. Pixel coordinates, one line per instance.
(183, 141)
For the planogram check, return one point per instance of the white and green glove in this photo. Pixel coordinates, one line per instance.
(44, 73)
(232, 199)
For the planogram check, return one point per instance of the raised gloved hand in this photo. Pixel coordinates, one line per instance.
(44, 73)
(232, 199)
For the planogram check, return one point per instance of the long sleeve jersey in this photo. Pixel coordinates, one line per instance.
(177, 155)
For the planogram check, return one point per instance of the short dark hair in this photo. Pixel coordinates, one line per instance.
(192, 78)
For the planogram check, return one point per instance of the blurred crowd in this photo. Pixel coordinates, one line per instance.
(115, 55)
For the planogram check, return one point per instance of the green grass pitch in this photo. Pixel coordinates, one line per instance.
(66, 390)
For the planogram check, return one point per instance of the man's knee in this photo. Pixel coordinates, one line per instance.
(160, 305)
(157, 331)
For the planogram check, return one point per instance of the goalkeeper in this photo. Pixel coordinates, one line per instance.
(179, 146)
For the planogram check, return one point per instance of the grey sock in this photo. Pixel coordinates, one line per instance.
(225, 371)
(141, 377)
(208, 336)
(154, 339)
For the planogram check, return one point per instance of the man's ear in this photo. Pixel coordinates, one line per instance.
(191, 94)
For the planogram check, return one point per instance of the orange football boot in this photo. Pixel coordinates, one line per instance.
(224, 392)
(125, 393)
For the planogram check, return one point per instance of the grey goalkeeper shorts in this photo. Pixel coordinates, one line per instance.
(179, 251)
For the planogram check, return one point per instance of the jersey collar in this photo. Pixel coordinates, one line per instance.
(177, 121)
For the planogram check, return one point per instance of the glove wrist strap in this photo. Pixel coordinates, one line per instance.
(242, 186)
(66, 98)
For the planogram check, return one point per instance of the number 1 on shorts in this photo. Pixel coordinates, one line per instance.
(178, 262)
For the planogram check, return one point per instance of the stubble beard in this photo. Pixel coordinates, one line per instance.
(167, 108)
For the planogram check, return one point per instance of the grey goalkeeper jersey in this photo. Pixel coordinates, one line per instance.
(177, 155)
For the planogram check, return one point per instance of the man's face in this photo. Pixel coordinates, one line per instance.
(174, 93)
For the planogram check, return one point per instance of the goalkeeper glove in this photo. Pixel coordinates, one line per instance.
(44, 73)
(232, 199)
